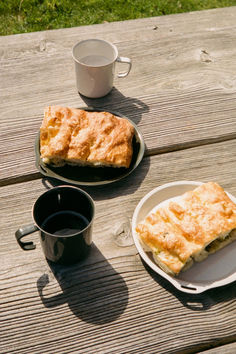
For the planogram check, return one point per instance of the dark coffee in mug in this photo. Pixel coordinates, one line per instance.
(65, 222)
(63, 216)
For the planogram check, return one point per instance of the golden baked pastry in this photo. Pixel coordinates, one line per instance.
(79, 137)
(189, 227)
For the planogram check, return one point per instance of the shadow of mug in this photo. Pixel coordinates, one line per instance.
(130, 107)
(93, 290)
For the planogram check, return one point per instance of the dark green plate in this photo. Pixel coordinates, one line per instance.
(92, 176)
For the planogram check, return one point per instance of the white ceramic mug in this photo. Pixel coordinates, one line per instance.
(95, 61)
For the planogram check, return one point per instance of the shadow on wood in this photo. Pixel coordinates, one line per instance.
(132, 108)
(93, 290)
(125, 186)
(196, 302)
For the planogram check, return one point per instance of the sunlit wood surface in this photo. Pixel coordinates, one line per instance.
(181, 93)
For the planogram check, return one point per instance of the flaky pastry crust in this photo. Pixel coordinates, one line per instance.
(189, 228)
(76, 136)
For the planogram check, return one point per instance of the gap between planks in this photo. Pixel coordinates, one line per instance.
(148, 153)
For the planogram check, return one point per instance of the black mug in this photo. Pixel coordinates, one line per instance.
(64, 216)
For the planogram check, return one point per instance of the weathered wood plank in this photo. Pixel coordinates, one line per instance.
(181, 90)
(110, 303)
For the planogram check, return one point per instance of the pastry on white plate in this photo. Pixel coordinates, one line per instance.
(189, 227)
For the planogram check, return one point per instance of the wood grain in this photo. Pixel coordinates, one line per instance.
(112, 302)
(180, 92)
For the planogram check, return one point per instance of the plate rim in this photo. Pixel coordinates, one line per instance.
(182, 285)
(46, 171)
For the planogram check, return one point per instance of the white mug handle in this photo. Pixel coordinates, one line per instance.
(127, 61)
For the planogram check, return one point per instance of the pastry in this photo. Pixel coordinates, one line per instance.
(79, 137)
(189, 227)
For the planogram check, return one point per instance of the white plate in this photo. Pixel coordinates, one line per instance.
(217, 270)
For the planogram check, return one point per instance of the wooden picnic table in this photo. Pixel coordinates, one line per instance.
(181, 93)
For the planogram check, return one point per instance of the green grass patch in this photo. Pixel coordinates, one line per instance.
(20, 16)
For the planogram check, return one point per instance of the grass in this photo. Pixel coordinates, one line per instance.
(20, 16)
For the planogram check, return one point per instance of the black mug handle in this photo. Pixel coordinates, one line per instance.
(23, 231)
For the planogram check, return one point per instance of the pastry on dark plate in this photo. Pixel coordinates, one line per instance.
(78, 137)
